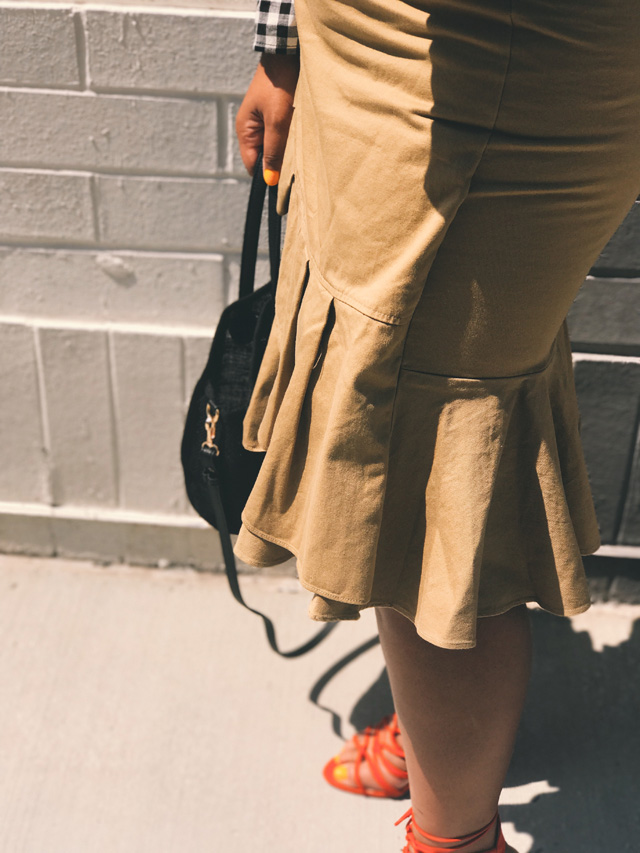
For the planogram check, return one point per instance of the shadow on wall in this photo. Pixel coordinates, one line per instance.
(579, 740)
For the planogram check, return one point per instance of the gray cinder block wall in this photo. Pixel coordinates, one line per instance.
(121, 209)
(604, 323)
(122, 201)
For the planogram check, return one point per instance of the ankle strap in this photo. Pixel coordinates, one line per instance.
(454, 843)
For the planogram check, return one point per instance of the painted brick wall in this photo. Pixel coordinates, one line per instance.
(122, 199)
(604, 323)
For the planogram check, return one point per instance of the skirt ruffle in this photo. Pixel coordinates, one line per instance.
(445, 498)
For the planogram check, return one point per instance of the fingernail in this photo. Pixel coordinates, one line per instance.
(271, 177)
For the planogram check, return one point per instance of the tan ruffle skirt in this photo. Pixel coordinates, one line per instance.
(453, 170)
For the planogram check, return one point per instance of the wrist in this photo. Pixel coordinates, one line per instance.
(280, 61)
(281, 69)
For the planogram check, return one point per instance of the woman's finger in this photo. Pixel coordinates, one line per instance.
(250, 132)
(276, 132)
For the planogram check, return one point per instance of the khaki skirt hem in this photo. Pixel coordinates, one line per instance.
(253, 550)
(324, 609)
(449, 644)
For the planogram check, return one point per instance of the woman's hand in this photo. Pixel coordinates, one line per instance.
(265, 113)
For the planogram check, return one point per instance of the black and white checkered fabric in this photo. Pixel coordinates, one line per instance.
(276, 30)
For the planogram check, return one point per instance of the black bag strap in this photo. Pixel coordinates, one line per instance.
(275, 234)
(247, 281)
(252, 232)
(232, 577)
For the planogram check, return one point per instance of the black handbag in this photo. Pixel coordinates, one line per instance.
(219, 472)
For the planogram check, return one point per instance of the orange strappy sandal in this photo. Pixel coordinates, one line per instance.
(381, 736)
(415, 846)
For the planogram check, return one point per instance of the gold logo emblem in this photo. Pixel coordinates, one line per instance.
(210, 427)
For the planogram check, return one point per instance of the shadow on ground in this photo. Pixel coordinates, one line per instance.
(580, 733)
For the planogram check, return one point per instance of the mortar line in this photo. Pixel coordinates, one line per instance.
(162, 8)
(95, 200)
(72, 90)
(43, 411)
(602, 356)
(88, 324)
(222, 119)
(113, 416)
(170, 254)
(183, 373)
(82, 54)
(217, 177)
(117, 248)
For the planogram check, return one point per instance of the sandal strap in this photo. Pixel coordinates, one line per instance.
(458, 843)
(362, 753)
(374, 735)
(378, 747)
(376, 772)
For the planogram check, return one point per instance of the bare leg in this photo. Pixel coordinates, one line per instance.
(459, 712)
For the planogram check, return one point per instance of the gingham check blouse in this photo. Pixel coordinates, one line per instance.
(276, 30)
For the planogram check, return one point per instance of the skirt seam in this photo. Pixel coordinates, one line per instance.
(387, 319)
(542, 369)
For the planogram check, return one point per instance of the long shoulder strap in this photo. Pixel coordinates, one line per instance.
(232, 577)
(247, 279)
(252, 232)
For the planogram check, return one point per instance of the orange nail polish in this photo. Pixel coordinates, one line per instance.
(340, 773)
(271, 177)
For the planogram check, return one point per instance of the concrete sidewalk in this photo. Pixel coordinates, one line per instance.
(143, 712)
